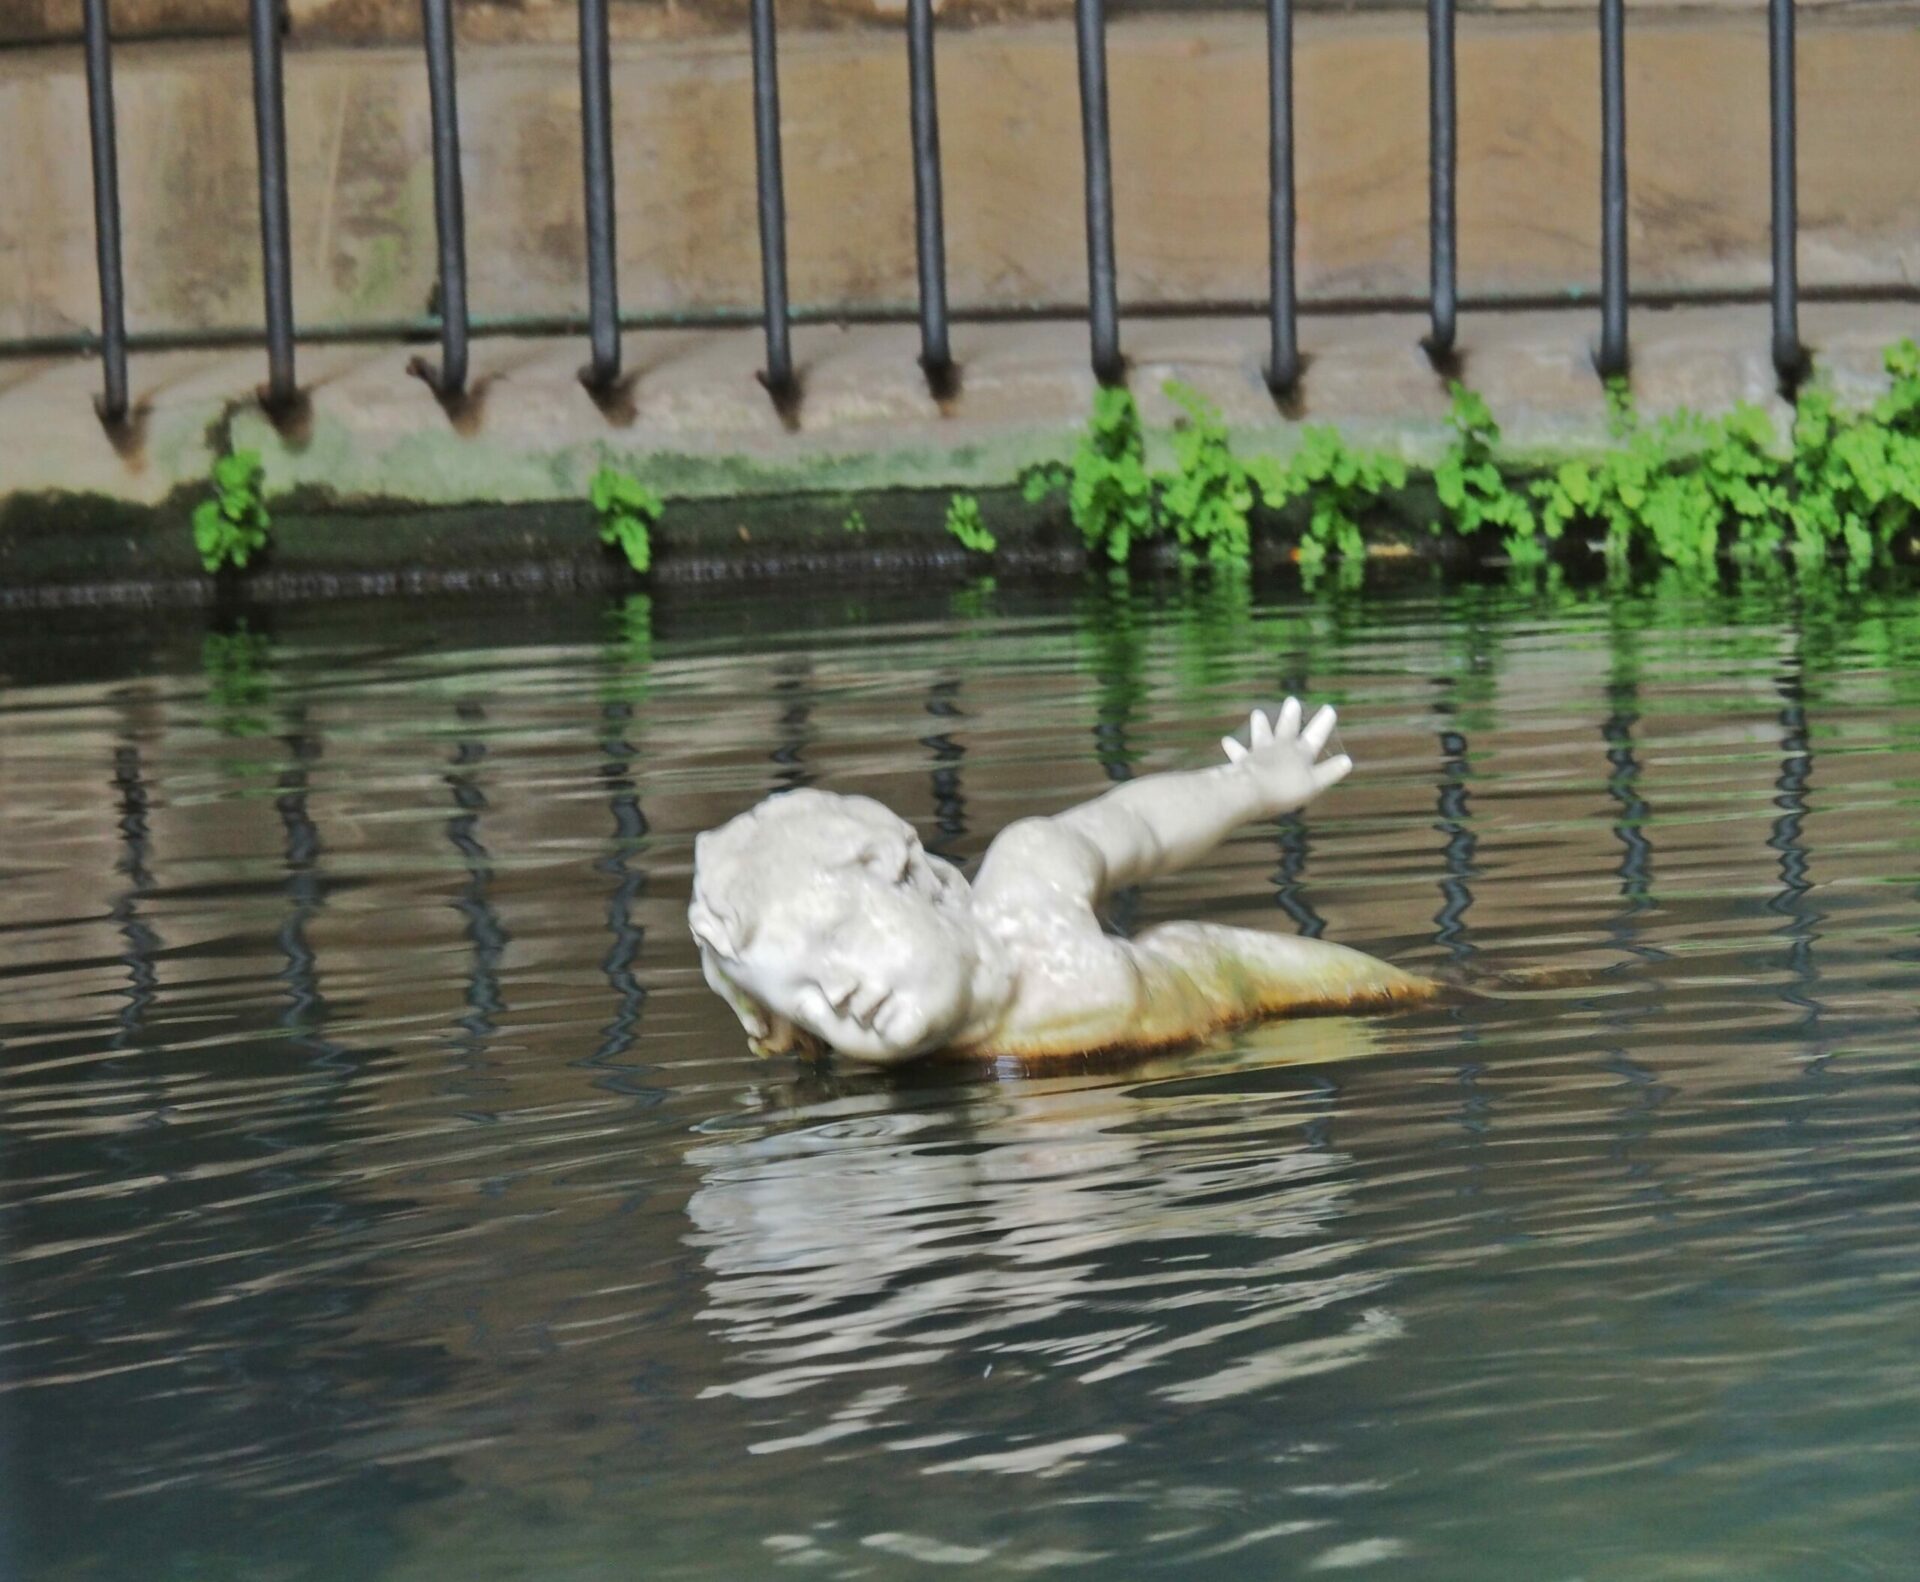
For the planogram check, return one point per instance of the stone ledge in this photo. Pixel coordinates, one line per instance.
(696, 424)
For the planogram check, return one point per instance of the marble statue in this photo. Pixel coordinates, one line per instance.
(826, 926)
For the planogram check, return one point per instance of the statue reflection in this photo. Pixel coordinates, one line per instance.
(1175, 1225)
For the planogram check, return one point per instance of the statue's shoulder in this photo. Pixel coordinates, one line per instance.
(1039, 861)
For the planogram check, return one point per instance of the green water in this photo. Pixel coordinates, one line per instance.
(386, 1197)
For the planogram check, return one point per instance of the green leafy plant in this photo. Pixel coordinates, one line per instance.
(1746, 480)
(232, 527)
(1109, 493)
(1209, 496)
(627, 511)
(1340, 485)
(1680, 491)
(964, 523)
(1474, 492)
(1650, 485)
(1856, 476)
(855, 523)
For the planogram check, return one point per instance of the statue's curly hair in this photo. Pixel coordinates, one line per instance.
(787, 844)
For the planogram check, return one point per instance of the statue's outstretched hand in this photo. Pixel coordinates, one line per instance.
(1283, 756)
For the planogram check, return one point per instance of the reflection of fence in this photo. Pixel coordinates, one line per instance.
(451, 320)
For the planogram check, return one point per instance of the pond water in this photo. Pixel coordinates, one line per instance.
(386, 1196)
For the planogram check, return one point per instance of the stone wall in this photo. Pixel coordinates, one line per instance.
(1189, 115)
(504, 21)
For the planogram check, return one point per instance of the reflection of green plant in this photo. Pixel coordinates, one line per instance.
(964, 523)
(627, 511)
(1215, 633)
(235, 665)
(974, 602)
(231, 528)
(1340, 484)
(627, 652)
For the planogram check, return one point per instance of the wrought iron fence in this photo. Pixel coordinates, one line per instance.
(604, 323)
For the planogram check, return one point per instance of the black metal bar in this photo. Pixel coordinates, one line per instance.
(1283, 363)
(773, 201)
(1612, 358)
(936, 355)
(596, 141)
(449, 204)
(1103, 308)
(1442, 158)
(276, 253)
(106, 212)
(1789, 358)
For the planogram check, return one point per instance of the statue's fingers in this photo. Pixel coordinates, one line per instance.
(1259, 729)
(1287, 726)
(1235, 752)
(1319, 728)
(1332, 771)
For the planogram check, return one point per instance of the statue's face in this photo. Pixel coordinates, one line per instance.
(822, 915)
(875, 966)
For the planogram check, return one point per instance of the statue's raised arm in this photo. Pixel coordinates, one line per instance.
(1166, 822)
(825, 925)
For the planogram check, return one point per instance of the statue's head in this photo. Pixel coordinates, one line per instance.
(828, 915)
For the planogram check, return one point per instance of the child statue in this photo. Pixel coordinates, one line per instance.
(826, 926)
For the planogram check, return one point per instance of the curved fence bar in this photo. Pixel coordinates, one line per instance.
(1442, 162)
(1283, 356)
(596, 144)
(1103, 306)
(106, 213)
(449, 204)
(1789, 357)
(1612, 357)
(276, 257)
(773, 202)
(930, 230)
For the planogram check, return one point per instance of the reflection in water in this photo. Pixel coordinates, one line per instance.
(629, 885)
(626, 665)
(1117, 644)
(484, 930)
(1623, 789)
(949, 799)
(1614, 1281)
(1787, 838)
(1289, 886)
(141, 944)
(793, 725)
(301, 856)
(1184, 1219)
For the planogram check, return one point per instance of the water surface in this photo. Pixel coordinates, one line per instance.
(385, 1196)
